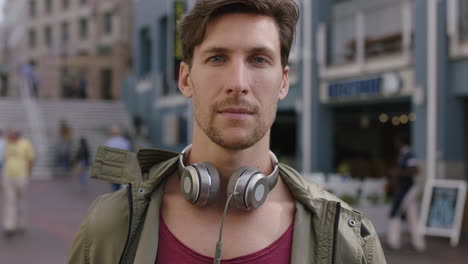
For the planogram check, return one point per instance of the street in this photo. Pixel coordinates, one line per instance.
(56, 208)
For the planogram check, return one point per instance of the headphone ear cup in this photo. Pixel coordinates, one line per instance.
(190, 184)
(200, 183)
(250, 188)
(257, 191)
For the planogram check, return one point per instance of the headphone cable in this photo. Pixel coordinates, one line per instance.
(219, 244)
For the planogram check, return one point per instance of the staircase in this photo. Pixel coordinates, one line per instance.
(13, 114)
(90, 119)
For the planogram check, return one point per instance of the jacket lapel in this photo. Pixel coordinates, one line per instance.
(148, 244)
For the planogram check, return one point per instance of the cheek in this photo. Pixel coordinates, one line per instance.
(267, 88)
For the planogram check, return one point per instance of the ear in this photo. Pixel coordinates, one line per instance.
(284, 89)
(185, 86)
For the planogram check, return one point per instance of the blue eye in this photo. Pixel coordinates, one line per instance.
(216, 59)
(259, 60)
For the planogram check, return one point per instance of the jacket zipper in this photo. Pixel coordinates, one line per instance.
(335, 231)
(130, 219)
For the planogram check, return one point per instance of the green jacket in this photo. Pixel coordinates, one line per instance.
(122, 227)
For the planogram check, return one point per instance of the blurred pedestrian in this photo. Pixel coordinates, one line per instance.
(82, 159)
(405, 197)
(116, 140)
(28, 71)
(63, 148)
(19, 159)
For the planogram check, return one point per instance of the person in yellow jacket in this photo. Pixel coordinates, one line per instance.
(19, 159)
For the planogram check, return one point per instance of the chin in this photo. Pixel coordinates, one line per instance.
(235, 137)
(235, 142)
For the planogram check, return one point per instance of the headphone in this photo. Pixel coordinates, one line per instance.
(248, 186)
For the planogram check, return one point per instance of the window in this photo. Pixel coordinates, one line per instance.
(32, 8)
(83, 24)
(65, 4)
(146, 51)
(48, 36)
(32, 38)
(108, 22)
(65, 35)
(48, 6)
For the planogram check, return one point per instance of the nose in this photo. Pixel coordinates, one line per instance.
(237, 79)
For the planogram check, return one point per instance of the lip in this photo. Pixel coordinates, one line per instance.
(235, 113)
(235, 110)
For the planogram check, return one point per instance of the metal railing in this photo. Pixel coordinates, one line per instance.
(36, 123)
(379, 30)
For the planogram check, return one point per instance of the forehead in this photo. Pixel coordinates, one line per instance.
(241, 31)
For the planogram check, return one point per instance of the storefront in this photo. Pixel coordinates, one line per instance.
(367, 113)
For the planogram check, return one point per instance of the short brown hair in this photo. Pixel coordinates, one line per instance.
(194, 24)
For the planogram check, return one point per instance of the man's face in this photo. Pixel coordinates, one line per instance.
(236, 80)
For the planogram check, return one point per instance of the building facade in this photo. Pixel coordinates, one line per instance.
(360, 77)
(386, 68)
(362, 73)
(75, 48)
(383, 71)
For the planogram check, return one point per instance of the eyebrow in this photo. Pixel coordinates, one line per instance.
(259, 49)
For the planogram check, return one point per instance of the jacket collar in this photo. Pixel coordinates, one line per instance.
(121, 166)
(150, 167)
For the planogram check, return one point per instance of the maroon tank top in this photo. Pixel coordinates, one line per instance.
(172, 251)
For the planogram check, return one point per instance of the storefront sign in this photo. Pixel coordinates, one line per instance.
(355, 88)
(389, 84)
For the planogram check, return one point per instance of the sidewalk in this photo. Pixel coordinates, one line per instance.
(438, 251)
(55, 211)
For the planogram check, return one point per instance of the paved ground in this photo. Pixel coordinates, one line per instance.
(55, 211)
(57, 207)
(438, 251)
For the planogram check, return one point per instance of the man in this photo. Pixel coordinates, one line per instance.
(235, 71)
(117, 141)
(405, 197)
(19, 159)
